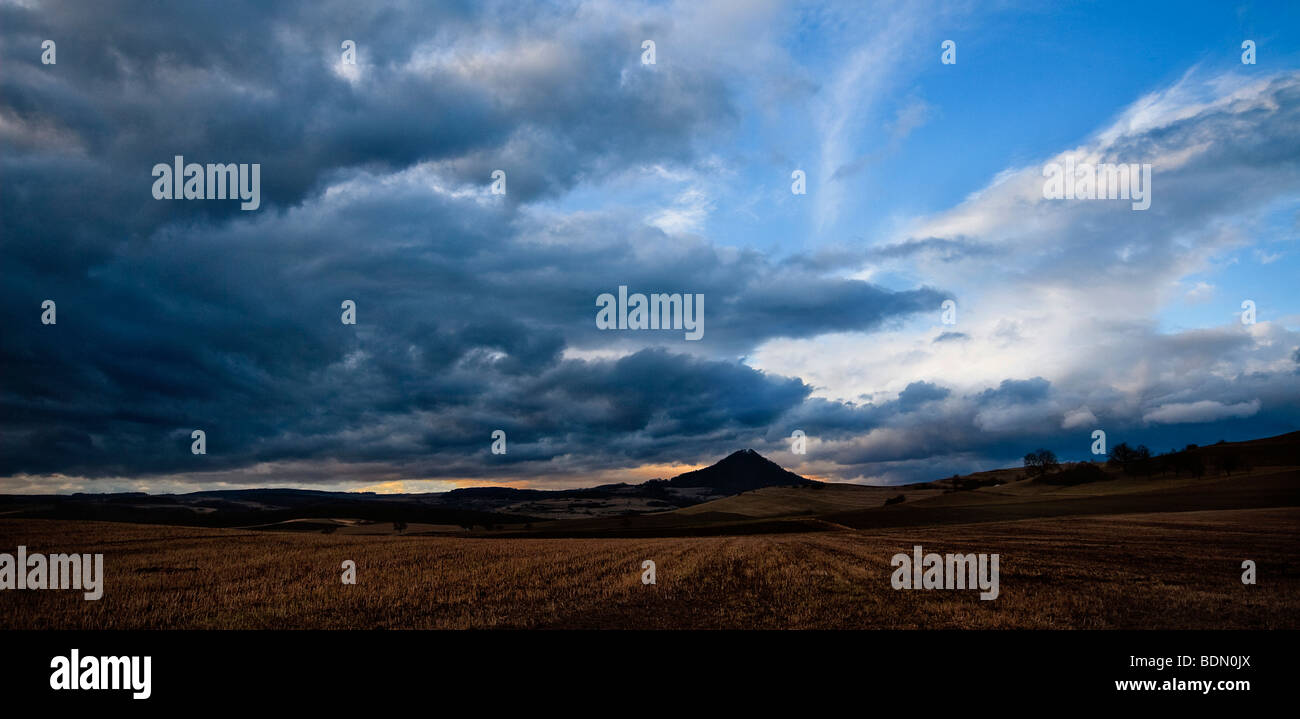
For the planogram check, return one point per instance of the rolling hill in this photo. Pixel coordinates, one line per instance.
(744, 493)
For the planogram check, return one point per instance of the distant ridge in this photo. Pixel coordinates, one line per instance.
(1259, 473)
(738, 472)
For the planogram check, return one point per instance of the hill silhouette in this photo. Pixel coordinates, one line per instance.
(740, 471)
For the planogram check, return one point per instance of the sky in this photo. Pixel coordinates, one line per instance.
(476, 310)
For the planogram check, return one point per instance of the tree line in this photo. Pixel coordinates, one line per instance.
(1139, 461)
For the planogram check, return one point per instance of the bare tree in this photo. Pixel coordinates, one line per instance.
(1041, 462)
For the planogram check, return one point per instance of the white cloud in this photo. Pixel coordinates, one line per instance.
(688, 213)
(1073, 291)
(1200, 292)
(1202, 411)
(1081, 417)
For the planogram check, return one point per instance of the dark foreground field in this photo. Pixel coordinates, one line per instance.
(1166, 570)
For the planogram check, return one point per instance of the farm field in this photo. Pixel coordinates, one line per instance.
(1177, 570)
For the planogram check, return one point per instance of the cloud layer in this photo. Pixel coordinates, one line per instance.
(476, 311)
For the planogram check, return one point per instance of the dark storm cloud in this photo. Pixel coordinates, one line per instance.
(919, 393)
(247, 81)
(827, 419)
(460, 330)
(998, 426)
(174, 316)
(138, 83)
(1015, 391)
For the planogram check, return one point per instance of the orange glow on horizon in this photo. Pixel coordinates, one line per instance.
(631, 475)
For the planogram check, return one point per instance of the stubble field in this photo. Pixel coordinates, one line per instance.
(1171, 570)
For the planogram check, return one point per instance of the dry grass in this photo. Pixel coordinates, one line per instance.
(1171, 570)
(793, 501)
